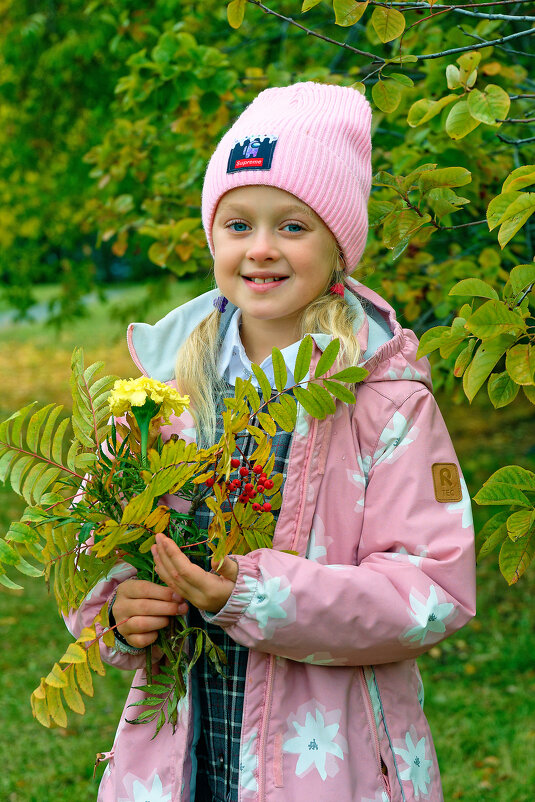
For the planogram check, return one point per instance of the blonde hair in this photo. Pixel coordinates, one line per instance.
(197, 360)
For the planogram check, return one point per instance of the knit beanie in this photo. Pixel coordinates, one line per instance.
(310, 139)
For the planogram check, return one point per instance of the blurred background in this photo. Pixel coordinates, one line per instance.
(109, 111)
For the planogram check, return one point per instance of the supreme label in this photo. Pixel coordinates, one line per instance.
(252, 153)
(446, 482)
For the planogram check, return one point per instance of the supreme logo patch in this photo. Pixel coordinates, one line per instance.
(446, 482)
(252, 153)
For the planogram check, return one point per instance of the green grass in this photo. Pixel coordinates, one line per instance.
(480, 683)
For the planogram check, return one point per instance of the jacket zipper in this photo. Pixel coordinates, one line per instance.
(373, 729)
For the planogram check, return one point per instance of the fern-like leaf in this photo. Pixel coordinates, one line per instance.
(90, 414)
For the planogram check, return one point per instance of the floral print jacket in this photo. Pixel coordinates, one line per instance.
(380, 516)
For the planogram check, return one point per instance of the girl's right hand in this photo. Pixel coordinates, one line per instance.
(142, 608)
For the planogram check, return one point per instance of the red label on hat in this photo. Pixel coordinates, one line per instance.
(248, 163)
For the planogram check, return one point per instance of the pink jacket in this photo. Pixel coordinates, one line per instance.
(333, 709)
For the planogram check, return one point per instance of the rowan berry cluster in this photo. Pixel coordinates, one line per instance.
(249, 484)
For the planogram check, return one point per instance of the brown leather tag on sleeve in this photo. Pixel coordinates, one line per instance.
(446, 482)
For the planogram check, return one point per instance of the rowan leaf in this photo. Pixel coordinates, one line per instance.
(328, 358)
(263, 381)
(339, 391)
(267, 423)
(351, 375)
(280, 372)
(309, 403)
(302, 362)
(55, 706)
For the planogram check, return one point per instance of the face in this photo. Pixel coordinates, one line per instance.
(273, 256)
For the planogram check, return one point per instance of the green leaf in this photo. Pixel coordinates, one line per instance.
(339, 391)
(235, 13)
(464, 358)
(267, 423)
(402, 79)
(328, 358)
(529, 392)
(388, 23)
(386, 95)
(400, 225)
(498, 207)
(516, 557)
(309, 403)
(425, 109)
(513, 475)
(494, 532)
(348, 12)
(432, 339)
(521, 277)
(385, 179)
(519, 523)
(308, 4)
(324, 398)
(302, 362)
(280, 415)
(520, 178)
(486, 357)
(490, 106)
(501, 493)
(262, 380)
(377, 211)
(460, 122)
(494, 318)
(444, 177)
(453, 77)
(474, 287)
(279, 369)
(501, 389)
(351, 375)
(515, 216)
(520, 363)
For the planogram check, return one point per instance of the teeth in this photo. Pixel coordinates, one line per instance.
(264, 280)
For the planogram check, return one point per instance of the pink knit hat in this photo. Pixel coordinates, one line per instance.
(312, 140)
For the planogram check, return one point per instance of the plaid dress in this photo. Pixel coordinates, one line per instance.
(221, 698)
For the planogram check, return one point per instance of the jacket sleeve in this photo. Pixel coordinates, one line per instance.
(412, 582)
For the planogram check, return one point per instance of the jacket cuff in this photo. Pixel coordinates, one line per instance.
(242, 594)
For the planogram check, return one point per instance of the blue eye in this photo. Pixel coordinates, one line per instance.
(295, 227)
(238, 223)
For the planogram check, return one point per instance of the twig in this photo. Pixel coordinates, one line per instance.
(515, 141)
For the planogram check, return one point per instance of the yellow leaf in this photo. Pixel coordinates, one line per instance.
(460, 122)
(388, 23)
(515, 217)
(74, 654)
(490, 106)
(55, 706)
(71, 693)
(348, 12)
(386, 95)
(39, 706)
(235, 13)
(56, 677)
(520, 178)
(85, 681)
(95, 661)
(498, 207)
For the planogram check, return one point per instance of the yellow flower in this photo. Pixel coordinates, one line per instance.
(128, 393)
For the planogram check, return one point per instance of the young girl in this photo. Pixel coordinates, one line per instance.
(322, 700)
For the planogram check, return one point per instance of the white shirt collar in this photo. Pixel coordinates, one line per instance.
(233, 361)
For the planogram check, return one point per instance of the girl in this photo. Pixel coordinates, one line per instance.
(322, 700)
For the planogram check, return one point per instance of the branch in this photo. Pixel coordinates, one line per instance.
(462, 10)
(528, 32)
(491, 43)
(515, 141)
(310, 32)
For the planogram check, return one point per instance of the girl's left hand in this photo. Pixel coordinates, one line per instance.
(205, 590)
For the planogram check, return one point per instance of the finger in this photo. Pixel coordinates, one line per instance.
(228, 569)
(143, 624)
(143, 589)
(176, 569)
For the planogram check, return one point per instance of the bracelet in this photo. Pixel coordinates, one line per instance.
(121, 644)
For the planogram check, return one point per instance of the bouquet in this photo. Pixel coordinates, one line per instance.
(93, 484)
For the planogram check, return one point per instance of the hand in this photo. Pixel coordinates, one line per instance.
(207, 591)
(142, 608)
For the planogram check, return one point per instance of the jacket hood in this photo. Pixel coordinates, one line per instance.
(388, 350)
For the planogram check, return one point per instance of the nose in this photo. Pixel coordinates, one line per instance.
(262, 247)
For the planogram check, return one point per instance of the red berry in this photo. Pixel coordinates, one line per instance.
(257, 469)
(252, 493)
(210, 481)
(244, 471)
(266, 507)
(248, 487)
(256, 507)
(263, 477)
(243, 497)
(268, 484)
(236, 483)
(235, 462)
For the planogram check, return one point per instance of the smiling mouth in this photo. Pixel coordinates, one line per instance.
(264, 280)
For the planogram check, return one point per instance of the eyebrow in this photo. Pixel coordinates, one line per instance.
(238, 208)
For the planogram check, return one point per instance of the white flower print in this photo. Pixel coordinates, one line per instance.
(408, 373)
(317, 743)
(415, 559)
(360, 480)
(301, 424)
(319, 659)
(418, 766)
(395, 438)
(380, 796)
(266, 603)
(317, 543)
(429, 615)
(249, 763)
(463, 507)
(142, 793)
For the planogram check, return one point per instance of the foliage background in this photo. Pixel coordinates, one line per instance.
(108, 112)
